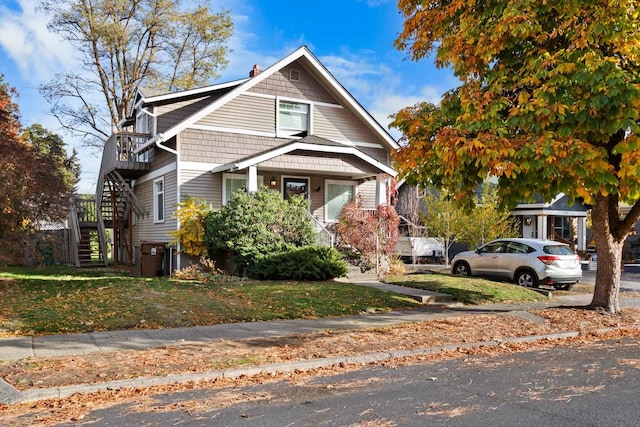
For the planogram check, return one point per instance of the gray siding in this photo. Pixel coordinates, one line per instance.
(245, 112)
(202, 185)
(379, 154)
(340, 124)
(367, 193)
(160, 158)
(222, 147)
(168, 115)
(145, 229)
(339, 165)
(307, 88)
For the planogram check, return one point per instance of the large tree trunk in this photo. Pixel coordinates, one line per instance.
(609, 246)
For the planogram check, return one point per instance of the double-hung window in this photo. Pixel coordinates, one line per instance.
(234, 182)
(158, 200)
(337, 195)
(293, 118)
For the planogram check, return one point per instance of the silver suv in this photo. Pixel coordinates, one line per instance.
(527, 262)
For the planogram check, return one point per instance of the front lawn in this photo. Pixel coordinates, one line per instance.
(63, 300)
(468, 290)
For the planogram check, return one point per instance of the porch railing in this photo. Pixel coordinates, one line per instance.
(74, 227)
(323, 236)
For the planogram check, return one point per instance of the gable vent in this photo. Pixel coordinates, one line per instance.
(294, 75)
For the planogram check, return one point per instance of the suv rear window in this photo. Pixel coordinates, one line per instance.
(557, 250)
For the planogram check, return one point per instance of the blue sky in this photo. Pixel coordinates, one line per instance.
(352, 38)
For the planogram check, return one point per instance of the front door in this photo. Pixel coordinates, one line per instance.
(295, 186)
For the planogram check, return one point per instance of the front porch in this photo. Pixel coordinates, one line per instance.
(557, 221)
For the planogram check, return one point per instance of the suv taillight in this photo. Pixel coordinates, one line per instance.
(548, 259)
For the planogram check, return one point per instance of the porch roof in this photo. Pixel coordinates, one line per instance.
(309, 143)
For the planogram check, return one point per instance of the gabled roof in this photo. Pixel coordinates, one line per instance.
(203, 91)
(246, 84)
(308, 143)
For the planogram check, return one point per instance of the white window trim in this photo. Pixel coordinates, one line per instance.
(242, 176)
(282, 178)
(142, 119)
(286, 134)
(156, 220)
(328, 182)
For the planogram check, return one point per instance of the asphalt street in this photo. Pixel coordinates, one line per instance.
(628, 281)
(576, 385)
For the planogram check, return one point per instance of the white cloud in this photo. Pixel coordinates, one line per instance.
(378, 87)
(27, 41)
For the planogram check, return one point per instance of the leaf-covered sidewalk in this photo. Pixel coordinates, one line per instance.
(103, 367)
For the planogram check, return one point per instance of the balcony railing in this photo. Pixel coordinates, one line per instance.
(119, 152)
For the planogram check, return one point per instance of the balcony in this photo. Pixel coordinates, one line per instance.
(119, 155)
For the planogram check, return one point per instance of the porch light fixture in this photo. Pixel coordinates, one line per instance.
(317, 189)
(273, 181)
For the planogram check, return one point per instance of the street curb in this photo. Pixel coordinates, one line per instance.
(13, 396)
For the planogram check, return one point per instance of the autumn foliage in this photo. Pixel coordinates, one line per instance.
(368, 233)
(191, 214)
(36, 177)
(548, 102)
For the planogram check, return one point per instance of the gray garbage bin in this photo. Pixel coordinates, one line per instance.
(152, 258)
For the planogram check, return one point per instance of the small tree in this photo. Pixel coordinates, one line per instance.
(445, 220)
(191, 215)
(253, 225)
(370, 234)
(488, 220)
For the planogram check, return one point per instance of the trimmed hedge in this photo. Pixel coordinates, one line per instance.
(305, 263)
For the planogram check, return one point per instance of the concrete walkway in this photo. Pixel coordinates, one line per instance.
(12, 349)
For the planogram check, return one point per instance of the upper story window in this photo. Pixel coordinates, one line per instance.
(142, 122)
(294, 118)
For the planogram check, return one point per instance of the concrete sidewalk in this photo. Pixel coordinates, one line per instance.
(12, 349)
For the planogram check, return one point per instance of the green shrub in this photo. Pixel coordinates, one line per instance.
(251, 226)
(307, 263)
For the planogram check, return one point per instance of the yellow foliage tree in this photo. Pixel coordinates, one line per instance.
(190, 214)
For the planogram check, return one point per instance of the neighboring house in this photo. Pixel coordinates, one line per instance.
(291, 127)
(556, 220)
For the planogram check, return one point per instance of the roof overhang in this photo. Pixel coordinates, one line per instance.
(303, 146)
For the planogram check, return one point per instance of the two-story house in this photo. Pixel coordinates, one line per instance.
(291, 127)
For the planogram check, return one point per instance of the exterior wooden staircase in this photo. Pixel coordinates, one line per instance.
(84, 231)
(116, 203)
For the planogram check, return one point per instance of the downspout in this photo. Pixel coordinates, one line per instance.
(158, 143)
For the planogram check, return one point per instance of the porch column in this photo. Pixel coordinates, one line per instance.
(252, 179)
(582, 234)
(542, 227)
(381, 190)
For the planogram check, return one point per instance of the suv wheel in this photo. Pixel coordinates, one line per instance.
(461, 269)
(527, 278)
(563, 287)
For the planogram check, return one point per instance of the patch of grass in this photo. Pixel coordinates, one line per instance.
(57, 299)
(468, 290)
